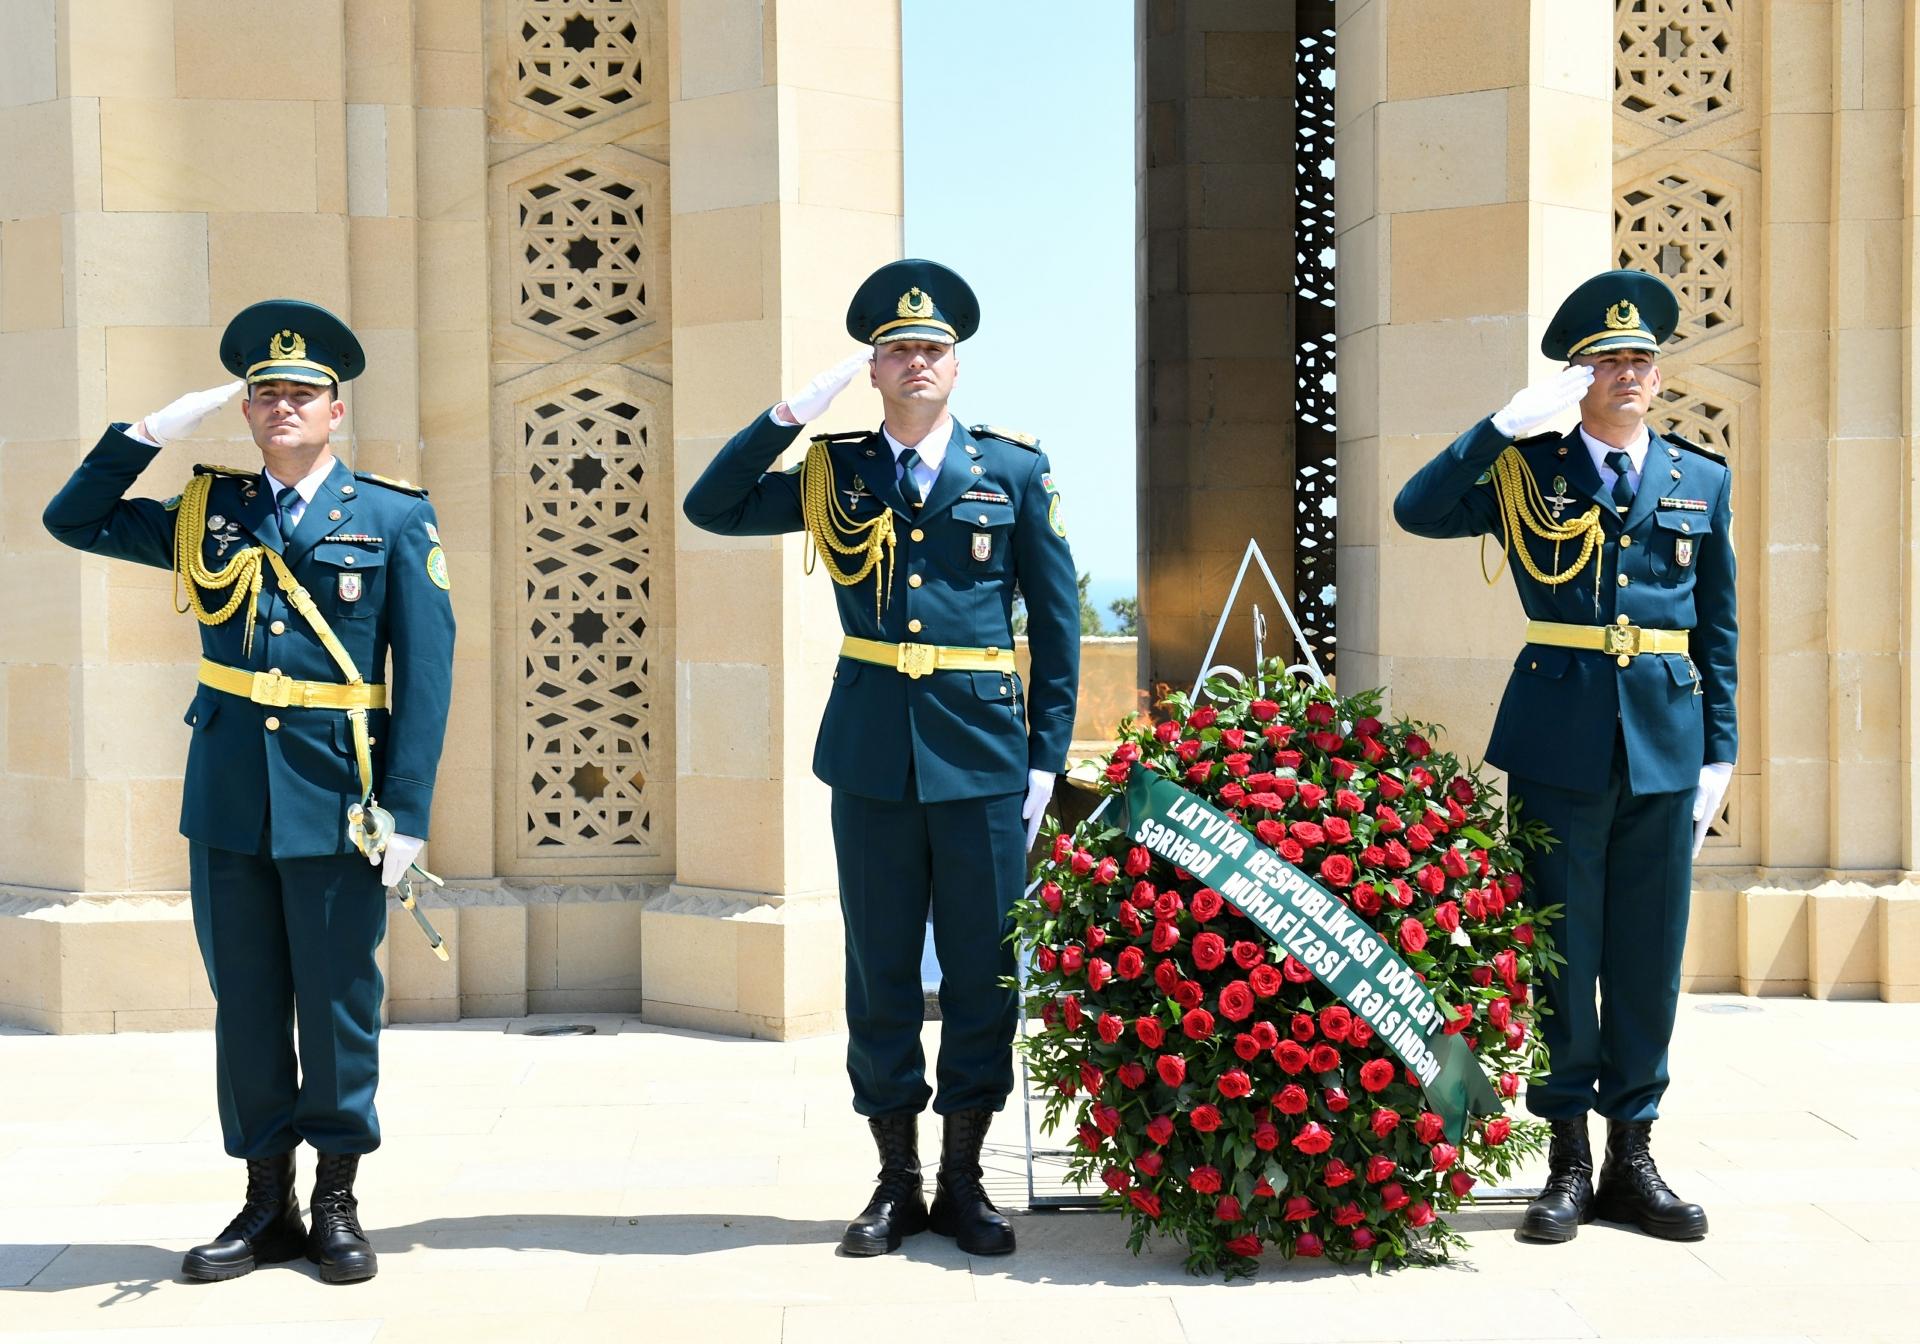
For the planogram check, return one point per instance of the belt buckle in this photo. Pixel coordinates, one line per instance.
(917, 660)
(1623, 640)
(271, 688)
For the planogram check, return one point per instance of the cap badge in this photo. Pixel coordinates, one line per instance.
(288, 345)
(1623, 316)
(915, 303)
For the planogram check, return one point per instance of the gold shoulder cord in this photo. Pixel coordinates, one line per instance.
(1521, 507)
(242, 573)
(826, 523)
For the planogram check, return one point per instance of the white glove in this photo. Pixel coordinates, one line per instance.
(1534, 408)
(1707, 799)
(813, 399)
(1039, 790)
(401, 850)
(178, 419)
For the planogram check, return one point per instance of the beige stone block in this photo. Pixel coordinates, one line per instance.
(1437, 153)
(140, 270)
(381, 265)
(730, 833)
(32, 292)
(726, 718)
(1866, 827)
(543, 946)
(1569, 149)
(1711, 961)
(330, 158)
(448, 25)
(850, 48)
(378, 60)
(28, 56)
(29, 966)
(1842, 956)
(1866, 252)
(164, 1019)
(39, 720)
(403, 176)
(1794, 834)
(156, 851)
(691, 960)
(1774, 944)
(1866, 365)
(450, 146)
(1864, 705)
(722, 51)
(736, 622)
(493, 960)
(846, 155)
(44, 842)
(385, 399)
(793, 970)
(600, 946)
(1799, 195)
(463, 822)
(1798, 48)
(52, 164)
(1795, 680)
(367, 166)
(1239, 261)
(1797, 285)
(722, 264)
(42, 611)
(117, 48)
(1868, 172)
(142, 627)
(725, 373)
(30, 475)
(453, 389)
(147, 367)
(1897, 937)
(1431, 52)
(186, 154)
(1448, 373)
(450, 78)
(1361, 47)
(258, 256)
(242, 49)
(420, 986)
(1798, 389)
(132, 727)
(1430, 281)
(126, 964)
(726, 151)
(453, 276)
(1247, 65)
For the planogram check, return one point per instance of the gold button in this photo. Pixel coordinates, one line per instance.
(1623, 660)
(977, 471)
(1676, 473)
(273, 671)
(277, 628)
(913, 627)
(1533, 667)
(1686, 527)
(983, 520)
(273, 724)
(346, 559)
(333, 515)
(1003, 688)
(1623, 621)
(992, 652)
(913, 581)
(1624, 580)
(917, 535)
(1626, 541)
(346, 489)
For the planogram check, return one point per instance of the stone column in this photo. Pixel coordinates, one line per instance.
(786, 191)
(1473, 196)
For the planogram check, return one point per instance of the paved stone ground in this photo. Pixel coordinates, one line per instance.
(642, 1184)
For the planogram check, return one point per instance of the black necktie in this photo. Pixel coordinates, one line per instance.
(283, 501)
(908, 486)
(1622, 486)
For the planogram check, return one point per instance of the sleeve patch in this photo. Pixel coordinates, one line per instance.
(437, 568)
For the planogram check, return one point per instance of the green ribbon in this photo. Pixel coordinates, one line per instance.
(1317, 929)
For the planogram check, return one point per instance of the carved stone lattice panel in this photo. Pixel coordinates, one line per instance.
(1682, 226)
(589, 653)
(1675, 62)
(581, 262)
(1695, 417)
(1315, 506)
(579, 61)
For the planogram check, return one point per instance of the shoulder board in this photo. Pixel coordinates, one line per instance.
(1549, 437)
(1692, 447)
(404, 487)
(845, 436)
(208, 469)
(1027, 441)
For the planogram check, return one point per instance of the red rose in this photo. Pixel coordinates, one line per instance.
(1384, 1122)
(1428, 1127)
(1311, 795)
(1236, 1001)
(1196, 774)
(1062, 846)
(1237, 763)
(1476, 906)
(1443, 1155)
(1197, 1024)
(1172, 1069)
(1090, 1138)
(1417, 746)
(1046, 959)
(1376, 1074)
(1290, 850)
(1391, 788)
(1308, 1246)
(1509, 1085)
(1336, 1099)
(1462, 1017)
(1266, 1137)
(1265, 1035)
(1420, 1214)
(1160, 1128)
(1307, 833)
(1397, 855)
(1319, 713)
(1363, 1239)
(1302, 1027)
(1149, 1164)
(1129, 919)
(1264, 981)
(1431, 880)
(1446, 915)
(1313, 1139)
(1145, 1201)
(1188, 750)
(1247, 955)
(1460, 1182)
(1117, 772)
(1117, 1179)
(1131, 963)
(1204, 1180)
(1050, 896)
(1232, 795)
(1295, 972)
(1413, 934)
(1234, 1084)
(1366, 898)
(1167, 905)
(1323, 1058)
(1209, 950)
(1205, 1118)
(1419, 778)
(1166, 731)
(1150, 1032)
(1247, 1246)
(1165, 976)
(1139, 859)
(1359, 1034)
(1339, 831)
(1349, 1214)
(1203, 717)
(1455, 863)
(1327, 742)
(1393, 1197)
(1523, 934)
(1337, 869)
(1337, 1173)
(1206, 904)
(1132, 1075)
(1072, 958)
(1227, 1210)
(1291, 1099)
(1335, 1022)
(1107, 1118)
(1109, 1027)
(1166, 937)
(1291, 1056)
(1498, 1129)
(1081, 862)
(1400, 893)
(1070, 1010)
(1246, 1047)
(1188, 994)
(1297, 1209)
(1263, 711)
(1235, 738)
(1142, 896)
(1098, 973)
(1268, 831)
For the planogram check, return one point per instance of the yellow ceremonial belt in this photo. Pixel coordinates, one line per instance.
(1622, 640)
(279, 691)
(922, 660)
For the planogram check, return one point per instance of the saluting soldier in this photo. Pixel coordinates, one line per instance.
(305, 578)
(940, 762)
(1617, 727)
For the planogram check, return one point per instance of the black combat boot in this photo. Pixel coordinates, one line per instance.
(1631, 1190)
(898, 1207)
(336, 1243)
(1566, 1201)
(961, 1209)
(266, 1231)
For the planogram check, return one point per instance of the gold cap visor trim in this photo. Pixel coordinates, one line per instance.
(922, 329)
(1614, 340)
(290, 371)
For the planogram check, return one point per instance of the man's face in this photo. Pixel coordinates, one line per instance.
(1625, 383)
(915, 371)
(292, 416)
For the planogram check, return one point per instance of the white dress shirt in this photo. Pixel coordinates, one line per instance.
(932, 450)
(1635, 451)
(306, 488)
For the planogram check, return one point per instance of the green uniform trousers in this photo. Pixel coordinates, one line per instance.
(966, 860)
(1623, 875)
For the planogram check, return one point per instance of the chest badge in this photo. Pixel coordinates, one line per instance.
(222, 534)
(1683, 552)
(983, 546)
(351, 587)
(1559, 499)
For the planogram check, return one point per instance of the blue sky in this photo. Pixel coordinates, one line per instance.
(1020, 175)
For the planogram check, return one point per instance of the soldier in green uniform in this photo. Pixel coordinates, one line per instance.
(305, 577)
(1617, 727)
(940, 762)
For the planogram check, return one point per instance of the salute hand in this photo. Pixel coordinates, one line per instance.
(1534, 408)
(179, 418)
(813, 399)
